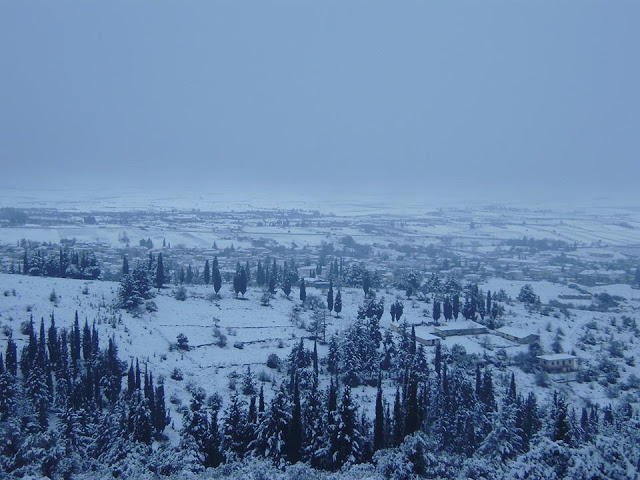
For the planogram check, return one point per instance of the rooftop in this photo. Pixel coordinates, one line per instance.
(557, 356)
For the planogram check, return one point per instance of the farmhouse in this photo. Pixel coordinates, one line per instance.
(307, 272)
(423, 335)
(558, 362)
(460, 328)
(517, 335)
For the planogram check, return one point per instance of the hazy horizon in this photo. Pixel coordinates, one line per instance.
(500, 100)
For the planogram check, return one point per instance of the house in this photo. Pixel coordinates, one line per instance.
(423, 335)
(517, 335)
(307, 272)
(460, 328)
(322, 285)
(558, 362)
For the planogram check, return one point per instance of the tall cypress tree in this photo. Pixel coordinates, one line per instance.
(378, 426)
(330, 297)
(303, 291)
(217, 278)
(337, 306)
(295, 439)
(207, 272)
(456, 306)
(159, 272)
(125, 266)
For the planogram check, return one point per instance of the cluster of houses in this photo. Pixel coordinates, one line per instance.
(432, 335)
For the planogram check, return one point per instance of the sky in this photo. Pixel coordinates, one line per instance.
(413, 97)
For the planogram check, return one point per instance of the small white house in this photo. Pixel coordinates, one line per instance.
(558, 362)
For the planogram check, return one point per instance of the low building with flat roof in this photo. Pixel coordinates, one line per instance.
(558, 362)
(459, 328)
(423, 335)
(517, 335)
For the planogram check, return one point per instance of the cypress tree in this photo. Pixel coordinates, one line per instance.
(295, 430)
(86, 341)
(330, 297)
(11, 357)
(217, 278)
(125, 266)
(261, 400)
(378, 426)
(303, 291)
(436, 311)
(337, 306)
(437, 361)
(207, 272)
(159, 272)
(456, 306)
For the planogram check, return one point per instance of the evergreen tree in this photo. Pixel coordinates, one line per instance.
(189, 275)
(207, 272)
(303, 291)
(125, 265)
(504, 440)
(378, 427)
(456, 306)
(86, 341)
(437, 362)
(337, 306)
(295, 439)
(330, 297)
(260, 274)
(366, 283)
(286, 285)
(215, 273)
(346, 443)
(271, 436)
(159, 280)
(436, 311)
(234, 428)
(52, 342)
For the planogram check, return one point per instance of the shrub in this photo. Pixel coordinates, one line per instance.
(180, 293)
(183, 342)
(177, 374)
(273, 361)
(150, 306)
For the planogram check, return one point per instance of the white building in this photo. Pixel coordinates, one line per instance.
(558, 362)
(517, 335)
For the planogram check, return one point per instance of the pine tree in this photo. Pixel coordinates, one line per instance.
(248, 384)
(207, 272)
(272, 433)
(504, 440)
(346, 444)
(234, 429)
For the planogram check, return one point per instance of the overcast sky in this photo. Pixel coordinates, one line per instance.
(366, 95)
